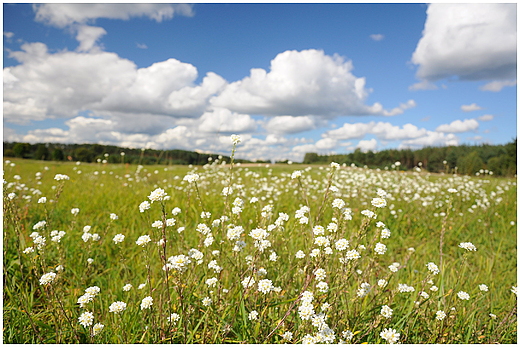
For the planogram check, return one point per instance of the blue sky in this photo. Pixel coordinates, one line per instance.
(289, 78)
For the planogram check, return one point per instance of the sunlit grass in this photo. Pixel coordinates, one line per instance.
(210, 301)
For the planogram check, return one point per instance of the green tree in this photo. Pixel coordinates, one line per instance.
(57, 154)
(470, 164)
(83, 154)
(21, 150)
(42, 152)
(310, 158)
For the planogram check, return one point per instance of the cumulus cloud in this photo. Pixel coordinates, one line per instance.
(290, 124)
(469, 108)
(65, 83)
(87, 37)
(164, 88)
(377, 37)
(432, 138)
(486, 117)
(367, 145)
(469, 41)
(221, 120)
(458, 126)
(300, 83)
(62, 15)
(382, 130)
(400, 109)
(326, 144)
(423, 85)
(497, 86)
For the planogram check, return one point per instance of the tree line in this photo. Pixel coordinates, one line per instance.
(90, 153)
(463, 159)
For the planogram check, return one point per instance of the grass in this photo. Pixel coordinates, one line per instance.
(418, 210)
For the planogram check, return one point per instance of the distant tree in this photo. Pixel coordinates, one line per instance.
(83, 154)
(21, 150)
(470, 164)
(57, 154)
(310, 158)
(42, 152)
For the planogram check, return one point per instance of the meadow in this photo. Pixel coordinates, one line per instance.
(228, 253)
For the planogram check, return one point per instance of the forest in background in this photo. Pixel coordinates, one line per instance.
(464, 159)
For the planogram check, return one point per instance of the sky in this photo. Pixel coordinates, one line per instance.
(288, 78)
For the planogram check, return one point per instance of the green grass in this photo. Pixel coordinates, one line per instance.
(483, 212)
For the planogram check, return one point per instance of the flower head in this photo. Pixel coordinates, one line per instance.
(191, 178)
(86, 319)
(378, 202)
(265, 286)
(440, 315)
(380, 248)
(146, 303)
(93, 290)
(118, 238)
(143, 240)
(96, 329)
(463, 295)
(158, 195)
(117, 307)
(390, 335)
(386, 311)
(235, 139)
(39, 225)
(47, 278)
(434, 269)
(145, 205)
(174, 317)
(468, 246)
(206, 301)
(60, 177)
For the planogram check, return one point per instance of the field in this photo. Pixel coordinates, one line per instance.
(114, 253)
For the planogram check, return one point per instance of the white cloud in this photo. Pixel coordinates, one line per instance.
(87, 37)
(475, 138)
(389, 132)
(65, 83)
(23, 113)
(497, 86)
(164, 88)
(300, 83)
(423, 85)
(141, 45)
(486, 117)
(222, 120)
(470, 41)
(458, 126)
(62, 15)
(350, 131)
(382, 130)
(431, 139)
(367, 145)
(8, 34)
(290, 125)
(377, 37)
(326, 144)
(399, 110)
(469, 108)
